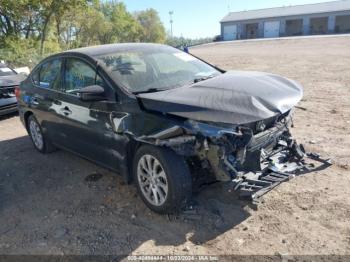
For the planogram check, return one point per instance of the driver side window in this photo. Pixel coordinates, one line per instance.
(78, 74)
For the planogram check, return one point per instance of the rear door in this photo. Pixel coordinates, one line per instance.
(42, 96)
(87, 125)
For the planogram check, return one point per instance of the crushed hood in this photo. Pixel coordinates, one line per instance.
(12, 80)
(235, 97)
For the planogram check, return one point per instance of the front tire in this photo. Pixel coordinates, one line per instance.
(162, 178)
(40, 141)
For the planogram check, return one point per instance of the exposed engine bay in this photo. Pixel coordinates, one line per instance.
(254, 162)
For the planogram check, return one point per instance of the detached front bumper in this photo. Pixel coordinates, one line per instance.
(258, 163)
(283, 166)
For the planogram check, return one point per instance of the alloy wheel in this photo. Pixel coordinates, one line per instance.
(36, 135)
(152, 180)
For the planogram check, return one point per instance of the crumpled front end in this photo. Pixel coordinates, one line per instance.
(254, 158)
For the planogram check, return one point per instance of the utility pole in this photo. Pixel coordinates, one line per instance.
(171, 22)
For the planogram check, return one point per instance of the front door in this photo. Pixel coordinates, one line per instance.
(87, 125)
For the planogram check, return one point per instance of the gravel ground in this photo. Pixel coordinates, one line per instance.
(62, 204)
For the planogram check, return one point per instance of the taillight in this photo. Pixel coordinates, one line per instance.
(17, 92)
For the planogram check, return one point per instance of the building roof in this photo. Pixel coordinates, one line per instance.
(288, 11)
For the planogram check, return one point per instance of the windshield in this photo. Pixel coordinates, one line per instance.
(155, 68)
(5, 71)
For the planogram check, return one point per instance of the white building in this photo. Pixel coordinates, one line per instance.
(311, 19)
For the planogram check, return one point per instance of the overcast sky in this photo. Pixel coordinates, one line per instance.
(200, 18)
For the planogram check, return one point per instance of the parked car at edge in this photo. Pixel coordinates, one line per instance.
(163, 119)
(9, 80)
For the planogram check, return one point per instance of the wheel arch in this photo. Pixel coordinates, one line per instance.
(131, 149)
(177, 174)
(26, 117)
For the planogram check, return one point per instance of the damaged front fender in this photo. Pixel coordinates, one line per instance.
(254, 161)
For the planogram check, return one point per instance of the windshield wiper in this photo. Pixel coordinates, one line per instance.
(150, 90)
(202, 78)
(153, 90)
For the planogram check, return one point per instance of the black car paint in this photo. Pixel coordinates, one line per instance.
(108, 132)
(88, 130)
(233, 98)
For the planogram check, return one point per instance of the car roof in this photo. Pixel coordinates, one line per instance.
(114, 48)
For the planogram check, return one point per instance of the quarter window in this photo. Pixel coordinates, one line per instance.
(35, 76)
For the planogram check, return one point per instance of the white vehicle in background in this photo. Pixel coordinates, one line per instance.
(22, 70)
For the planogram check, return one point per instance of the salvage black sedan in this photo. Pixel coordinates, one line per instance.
(9, 80)
(163, 119)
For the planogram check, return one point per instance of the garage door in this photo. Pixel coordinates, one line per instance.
(230, 32)
(272, 29)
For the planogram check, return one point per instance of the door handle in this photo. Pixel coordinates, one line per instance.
(65, 110)
(57, 102)
(34, 101)
(52, 100)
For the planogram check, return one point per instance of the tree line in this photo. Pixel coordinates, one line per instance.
(31, 29)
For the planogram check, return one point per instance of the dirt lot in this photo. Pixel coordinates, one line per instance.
(48, 206)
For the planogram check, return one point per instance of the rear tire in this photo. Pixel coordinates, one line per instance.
(39, 139)
(162, 178)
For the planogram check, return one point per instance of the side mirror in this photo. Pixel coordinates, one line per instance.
(91, 93)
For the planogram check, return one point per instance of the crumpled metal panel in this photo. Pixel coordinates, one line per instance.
(236, 97)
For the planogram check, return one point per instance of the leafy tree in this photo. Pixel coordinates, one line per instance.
(19, 52)
(51, 8)
(101, 23)
(18, 18)
(95, 29)
(152, 28)
(32, 18)
(31, 29)
(125, 27)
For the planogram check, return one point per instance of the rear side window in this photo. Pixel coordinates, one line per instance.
(48, 75)
(35, 76)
